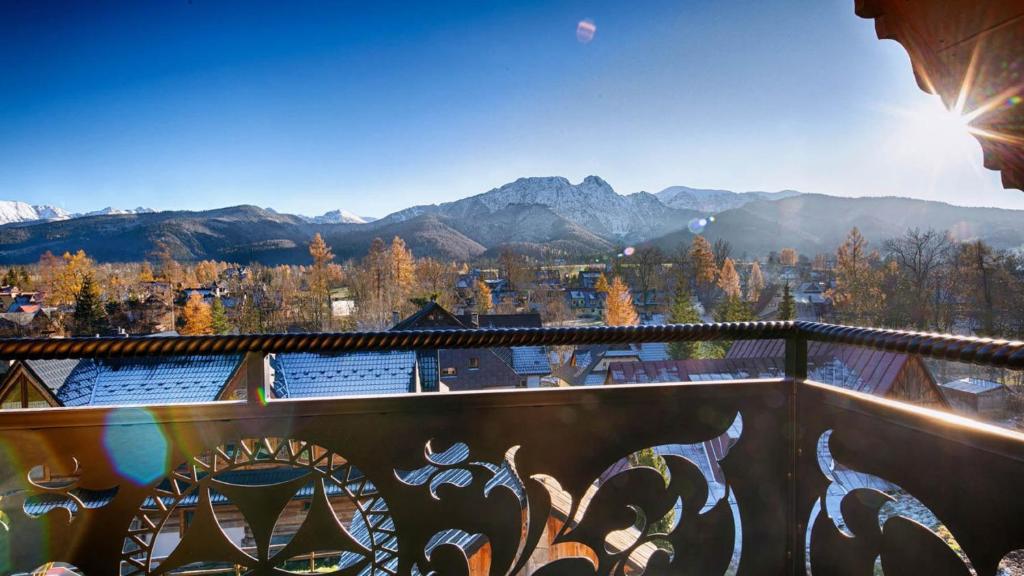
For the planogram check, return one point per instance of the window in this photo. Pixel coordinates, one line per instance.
(448, 371)
(474, 363)
(12, 399)
(23, 395)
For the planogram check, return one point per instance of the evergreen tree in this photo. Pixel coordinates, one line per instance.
(731, 309)
(219, 318)
(89, 316)
(683, 312)
(787, 309)
(649, 458)
(602, 284)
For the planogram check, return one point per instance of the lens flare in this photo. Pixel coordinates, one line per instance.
(135, 445)
(585, 31)
(629, 251)
(697, 225)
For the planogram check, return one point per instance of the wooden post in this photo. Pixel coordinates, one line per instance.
(255, 378)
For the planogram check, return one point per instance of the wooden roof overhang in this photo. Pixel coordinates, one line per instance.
(971, 54)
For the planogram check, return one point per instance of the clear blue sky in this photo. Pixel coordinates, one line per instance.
(376, 106)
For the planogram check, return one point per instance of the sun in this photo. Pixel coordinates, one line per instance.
(929, 132)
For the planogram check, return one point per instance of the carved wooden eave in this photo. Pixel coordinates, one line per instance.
(970, 53)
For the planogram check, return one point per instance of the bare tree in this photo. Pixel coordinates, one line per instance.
(921, 256)
(723, 251)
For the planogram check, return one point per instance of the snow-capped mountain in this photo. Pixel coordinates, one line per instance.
(13, 211)
(338, 217)
(109, 210)
(714, 201)
(592, 204)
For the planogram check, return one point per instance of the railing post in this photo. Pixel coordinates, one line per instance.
(796, 373)
(796, 358)
(255, 378)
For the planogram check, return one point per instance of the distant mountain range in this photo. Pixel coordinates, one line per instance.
(12, 212)
(714, 201)
(534, 215)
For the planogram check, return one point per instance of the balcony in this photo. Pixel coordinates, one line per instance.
(768, 476)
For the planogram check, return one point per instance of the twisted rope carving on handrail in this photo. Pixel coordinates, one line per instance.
(969, 349)
(32, 348)
(983, 351)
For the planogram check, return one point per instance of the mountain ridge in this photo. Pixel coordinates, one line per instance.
(547, 216)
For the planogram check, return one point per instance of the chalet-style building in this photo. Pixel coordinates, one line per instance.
(589, 303)
(483, 368)
(122, 381)
(35, 322)
(887, 374)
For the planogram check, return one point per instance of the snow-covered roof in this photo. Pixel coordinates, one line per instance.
(973, 385)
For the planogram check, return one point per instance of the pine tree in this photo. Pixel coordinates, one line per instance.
(649, 458)
(683, 312)
(730, 309)
(482, 297)
(198, 316)
(619, 310)
(729, 280)
(602, 284)
(89, 314)
(219, 318)
(755, 283)
(787, 308)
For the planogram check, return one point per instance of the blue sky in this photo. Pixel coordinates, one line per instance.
(376, 106)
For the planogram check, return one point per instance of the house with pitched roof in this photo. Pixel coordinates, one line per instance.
(122, 381)
(891, 375)
(313, 375)
(483, 368)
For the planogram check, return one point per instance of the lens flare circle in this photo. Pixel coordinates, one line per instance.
(629, 251)
(585, 31)
(135, 445)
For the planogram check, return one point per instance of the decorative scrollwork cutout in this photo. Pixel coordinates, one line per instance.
(655, 511)
(264, 505)
(55, 491)
(863, 520)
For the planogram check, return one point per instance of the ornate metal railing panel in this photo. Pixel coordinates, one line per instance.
(520, 452)
(872, 473)
(745, 477)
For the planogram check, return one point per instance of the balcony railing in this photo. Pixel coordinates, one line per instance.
(773, 476)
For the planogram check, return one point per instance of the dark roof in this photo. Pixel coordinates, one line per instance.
(693, 370)
(431, 316)
(525, 320)
(430, 380)
(133, 381)
(52, 373)
(308, 375)
(434, 316)
(975, 386)
(530, 360)
(855, 368)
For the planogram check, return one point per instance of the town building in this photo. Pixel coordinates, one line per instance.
(483, 368)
